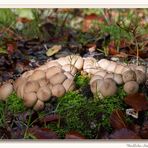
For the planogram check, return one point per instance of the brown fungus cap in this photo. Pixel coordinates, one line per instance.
(131, 87)
(129, 76)
(5, 90)
(44, 93)
(57, 78)
(58, 90)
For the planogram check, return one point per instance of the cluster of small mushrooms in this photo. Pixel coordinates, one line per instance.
(56, 77)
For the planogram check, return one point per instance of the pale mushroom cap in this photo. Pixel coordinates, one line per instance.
(141, 68)
(104, 63)
(57, 78)
(76, 61)
(63, 61)
(111, 67)
(18, 82)
(108, 87)
(125, 69)
(131, 87)
(129, 76)
(52, 71)
(39, 105)
(95, 86)
(43, 68)
(68, 75)
(30, 99)
(70, 68)
(58, 90)
(52, 63)
(50, 86)
(44, 93)
(94, 78)
(101, 73)
(20, 89)
(5, 90)
(89, 63)
(140, 76)
(42, 82)
(69, 85)
(119, 69)
(109, 75)
(27, 74)
(37, 74)
(31, 86)
(132, 66)
(118, 79)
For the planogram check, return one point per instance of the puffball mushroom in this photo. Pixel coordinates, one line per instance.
(44, 93)
(129, 76)
(39, 105)
(5, 90)
(52, 71)
(108, 87)
(30, 99)
(58, 90)
(131, 87)
(57, 78)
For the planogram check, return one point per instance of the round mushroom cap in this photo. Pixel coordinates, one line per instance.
(141, 68)
(58, 90)
(52, 63)
(57, 78)
(31, 86)
(95, 86)
(108, 87)
(18, 82)
(44, 93)
(68, 75)
(140, 76)
(52, 71)
(39, 105)
(69, 85)
(27, 74)
(118, 79)
(70, 68)
(76, 61)
(63, 61)
(94, 78)
(104, 63)
(131, 87)
(129, 76)
(101, 73)
(109, 75)
(20, 89)
(42, 82)
(37, 74)
(29, 99)
(43, 68)
(126, 68)
(119, 68)
(111, 67)
(5, 90)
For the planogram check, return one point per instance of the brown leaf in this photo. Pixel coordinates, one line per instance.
(117, 119)
(144, 130)
(74, 135)
(42, 133)
(124, 133)
(50, 118)
(137, 101)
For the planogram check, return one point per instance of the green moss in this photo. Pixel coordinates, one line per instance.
(81, 80)
(15, 104)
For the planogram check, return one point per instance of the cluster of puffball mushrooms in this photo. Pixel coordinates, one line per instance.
(56, 77)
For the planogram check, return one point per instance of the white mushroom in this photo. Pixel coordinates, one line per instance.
(69, 85)
(70, 68)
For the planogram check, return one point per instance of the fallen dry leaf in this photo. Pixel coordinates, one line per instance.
(137, 101)
(124, 133)
(117, 119)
